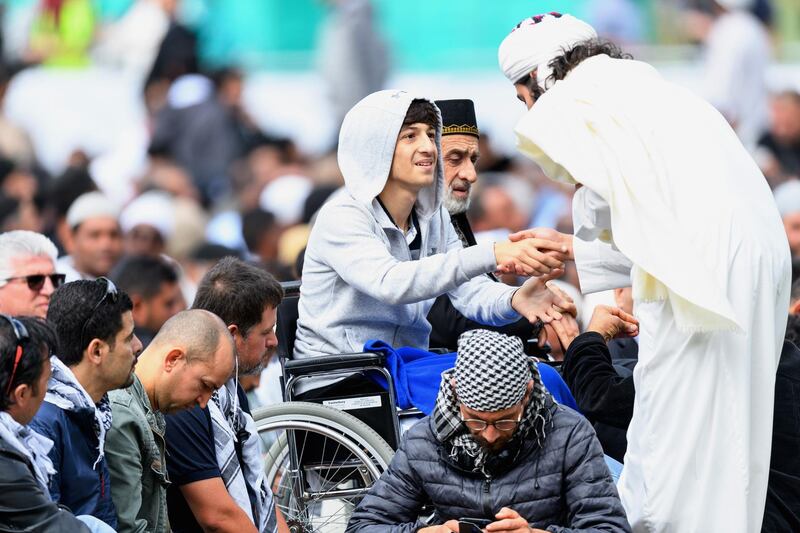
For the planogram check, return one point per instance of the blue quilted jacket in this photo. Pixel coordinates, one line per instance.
(563, 487)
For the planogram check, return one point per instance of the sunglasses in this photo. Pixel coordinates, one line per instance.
(36, 281)
(111, 295)
(21, 332)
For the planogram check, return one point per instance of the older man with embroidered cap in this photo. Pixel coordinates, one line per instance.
(460, 153)
(710, 279)
(496, 448)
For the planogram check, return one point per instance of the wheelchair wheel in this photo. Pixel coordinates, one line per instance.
(322, 462)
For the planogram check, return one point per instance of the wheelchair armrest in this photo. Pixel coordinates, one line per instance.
(324, 363)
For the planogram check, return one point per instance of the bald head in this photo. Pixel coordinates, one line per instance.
(200, 333)
(190, 357)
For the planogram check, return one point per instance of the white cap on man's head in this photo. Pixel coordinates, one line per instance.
(285, 197)
(152, 208)
(91, 205)
(736, 4)
(536, 41)
(787, 197)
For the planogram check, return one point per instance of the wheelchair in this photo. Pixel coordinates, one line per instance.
(326, 452)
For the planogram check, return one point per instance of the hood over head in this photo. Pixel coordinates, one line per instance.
(366, 148)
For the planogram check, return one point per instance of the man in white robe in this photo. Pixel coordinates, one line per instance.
(672, 204)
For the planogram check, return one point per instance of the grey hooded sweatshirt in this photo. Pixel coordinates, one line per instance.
(359, 280)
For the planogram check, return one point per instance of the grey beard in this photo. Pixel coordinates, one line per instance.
(455, 206)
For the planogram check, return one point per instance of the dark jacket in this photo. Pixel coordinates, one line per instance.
(136, 458)
(23, 504)
(85, 490)
(563, 487)
(603, 395)
(603, 377)
(447, 322)
(783, 489)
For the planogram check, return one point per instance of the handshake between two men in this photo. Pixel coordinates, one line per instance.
(541, 254)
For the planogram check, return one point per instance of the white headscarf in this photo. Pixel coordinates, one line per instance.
(787, 197)
(152, 208)
(679, 184)
(536, 41)
(732, 5)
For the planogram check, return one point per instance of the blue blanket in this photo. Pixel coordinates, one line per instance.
(417, 374)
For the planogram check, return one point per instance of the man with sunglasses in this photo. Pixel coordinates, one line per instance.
(496, 448)
(97, 353)
(27, 273)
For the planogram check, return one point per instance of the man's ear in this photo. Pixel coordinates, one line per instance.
(794, 309)
(173, 358)
(20, 394)
(95, 350)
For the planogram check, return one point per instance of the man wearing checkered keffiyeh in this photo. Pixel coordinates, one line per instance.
(492, 374)
(541, 469)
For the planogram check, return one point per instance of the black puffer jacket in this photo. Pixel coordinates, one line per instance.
(23, 504)
(564, 487)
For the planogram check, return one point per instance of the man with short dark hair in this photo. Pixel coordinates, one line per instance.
(28, 274)
(497, 448)
(152, 284)
(215, 463)
(190, 358)
(25, 468)
(96, 354)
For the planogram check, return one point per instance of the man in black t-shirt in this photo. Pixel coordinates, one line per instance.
(214, 454)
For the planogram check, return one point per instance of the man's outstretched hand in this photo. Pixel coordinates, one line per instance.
(612, 323)
(563, 240)
(538, 299)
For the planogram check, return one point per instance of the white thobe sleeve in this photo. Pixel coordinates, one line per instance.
(601, 266)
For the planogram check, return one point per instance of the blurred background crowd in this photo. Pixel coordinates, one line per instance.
(144, 133)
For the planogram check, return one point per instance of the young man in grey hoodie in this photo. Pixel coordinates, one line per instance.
(380, 254)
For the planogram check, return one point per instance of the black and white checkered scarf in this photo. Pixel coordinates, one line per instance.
(492, 373)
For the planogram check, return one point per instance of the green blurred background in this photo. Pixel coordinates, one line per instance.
(423, 35)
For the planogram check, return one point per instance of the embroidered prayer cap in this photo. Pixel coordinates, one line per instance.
(536, 41)
(492, 371)
(458, 117)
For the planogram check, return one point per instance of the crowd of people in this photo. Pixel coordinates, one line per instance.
(133, 334)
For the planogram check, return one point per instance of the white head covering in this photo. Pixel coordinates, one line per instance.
(189, 90)
(285, 198)
(536, 41)
(736, 4)
(617, 127)
(91, 205)
(787, 197)
(153, 208)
